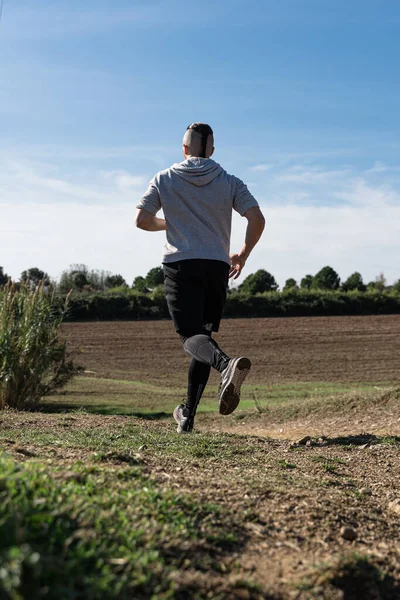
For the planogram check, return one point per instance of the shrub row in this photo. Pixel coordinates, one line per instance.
(311, 303)
(133, 306)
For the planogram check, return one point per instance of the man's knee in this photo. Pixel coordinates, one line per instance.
(187, 335)
(194, 345)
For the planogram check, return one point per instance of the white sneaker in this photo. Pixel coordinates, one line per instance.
(184, 420)
(231, 381)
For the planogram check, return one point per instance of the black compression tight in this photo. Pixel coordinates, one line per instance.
(197, 381)
(206, 350)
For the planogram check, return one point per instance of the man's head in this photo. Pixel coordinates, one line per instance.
(198, 141)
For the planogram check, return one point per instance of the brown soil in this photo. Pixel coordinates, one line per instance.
(355, 416)
(359, 349)
(292, 501)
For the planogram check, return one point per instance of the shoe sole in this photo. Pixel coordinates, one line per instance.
(230, 395)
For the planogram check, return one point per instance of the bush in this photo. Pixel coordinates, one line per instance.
(129, 305)
(311, 303)
(33, 357)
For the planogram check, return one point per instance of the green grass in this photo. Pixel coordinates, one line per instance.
(119, 396)
(286, 465)
(129, 439)
(95, 532)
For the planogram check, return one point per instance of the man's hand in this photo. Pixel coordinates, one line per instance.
(237, 263)
(255, 227)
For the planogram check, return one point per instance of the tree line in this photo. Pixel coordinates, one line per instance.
(80, 278)
(99, 295)
(325, 279)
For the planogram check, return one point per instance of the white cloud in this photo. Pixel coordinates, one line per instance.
(297, 240)
(300, 174)
(57, 235)
(50, 219)
(379, 167)
(124, 181)
(25, 181)
(303, 239)
(59, 20)
(260, 168)
(54, 20)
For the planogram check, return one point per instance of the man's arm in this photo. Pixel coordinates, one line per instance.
(255, 227)
(145, 220)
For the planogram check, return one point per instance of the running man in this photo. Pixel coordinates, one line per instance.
(197, 197)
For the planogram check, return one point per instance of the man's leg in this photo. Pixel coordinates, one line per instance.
(196, 293)
(199, 372)
(233, 371)
(184, 414)
(204, 349)
(185, 295)
(197, 380)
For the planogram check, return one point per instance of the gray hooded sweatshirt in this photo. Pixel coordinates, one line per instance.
(197, 197)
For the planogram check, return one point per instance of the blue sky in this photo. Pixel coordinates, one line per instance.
(303, 97)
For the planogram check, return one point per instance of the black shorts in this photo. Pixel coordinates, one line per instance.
(196, 294)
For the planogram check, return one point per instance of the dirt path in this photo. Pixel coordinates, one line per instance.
(315, 521)
(376, 421)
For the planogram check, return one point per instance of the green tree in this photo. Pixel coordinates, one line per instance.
(354, 282)
(74, 278)
(34, 276)
(326, 279)
(396, 286)
(113, 281)
(139, 285)
(78, 276)
(154, 277)
(79, 280)
(291, 284)
(380, 282)
(3, 277)
(306, 282)
(259, 282)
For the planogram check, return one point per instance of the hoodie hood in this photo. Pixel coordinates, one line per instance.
(198, 171)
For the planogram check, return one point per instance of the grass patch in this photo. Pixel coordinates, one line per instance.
(138, 398)
(286, 465)
(323, 404)
(329, 465)
(127, 440)
(393, 440)
(93, 532)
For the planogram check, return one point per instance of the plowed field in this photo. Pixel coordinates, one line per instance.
(359, 349)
